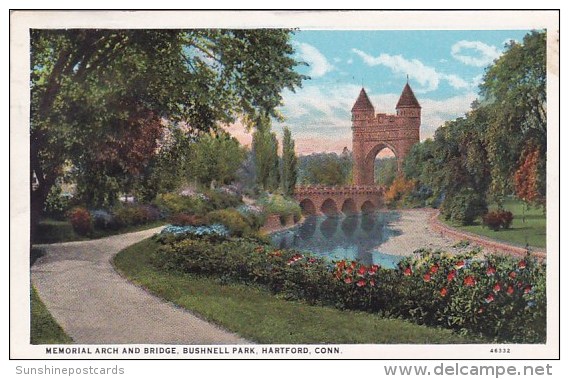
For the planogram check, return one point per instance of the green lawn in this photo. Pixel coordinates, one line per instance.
(44, 329)
(264, 318)
(528, 226)
(53, 231)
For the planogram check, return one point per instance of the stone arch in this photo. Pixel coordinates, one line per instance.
(308, 208)
(368, 207)
(369, 160)
(349, 207)
(329, 207)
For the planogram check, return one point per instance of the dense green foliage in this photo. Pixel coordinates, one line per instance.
(495, 150)
(99, 98)
(325, 168)
(385, 171)
(500, 297)
(265, 154)
(289, 164)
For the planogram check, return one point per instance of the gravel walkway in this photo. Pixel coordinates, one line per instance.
(95, 305)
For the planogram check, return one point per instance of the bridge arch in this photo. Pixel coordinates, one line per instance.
(349, 207)
(329, 207)
(368, 207)
(307, 207)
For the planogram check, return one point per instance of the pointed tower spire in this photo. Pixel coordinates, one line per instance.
(363, 104)
(407, 98)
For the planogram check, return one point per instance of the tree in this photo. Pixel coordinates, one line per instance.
(215, 158)
(526, 178)
(85, 83)
(289, 162)
(326, 168)
(265, 151)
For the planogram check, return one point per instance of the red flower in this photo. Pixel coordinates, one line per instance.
(443, 291)
(341, 265)
(489, 298)
(372, 283)
(312, 260)
(427, 278)
(496, 288)
(458, 265)
(361, 283)
(407, 271)
(522, 264)
(510, 290)
(362, 270)
(527, 289)
(469, 281)
(490, 271)
(349, 270)
(512, 275)
(354, 264)
(434, 268)
(481, 310)
(373, 269)
(348, 280)
(451, 275)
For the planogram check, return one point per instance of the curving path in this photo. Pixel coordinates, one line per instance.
(95, 305)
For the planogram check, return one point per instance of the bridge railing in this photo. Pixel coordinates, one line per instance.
(317, 189)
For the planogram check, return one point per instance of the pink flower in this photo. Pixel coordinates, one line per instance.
(372, 283)
(362, 270)
(490, 271)
(407, 271)
(469, 281)
(510, 290)
(427, 278)
(489, 298)
(496, 288)
(512, 275)
(373, 269)
(348, 280)
(361, 283)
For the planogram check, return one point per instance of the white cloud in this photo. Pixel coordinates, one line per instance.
(484, 54)
(427, 76)
(320, 120)
(319, 65)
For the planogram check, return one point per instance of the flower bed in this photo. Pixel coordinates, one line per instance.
(500, 297)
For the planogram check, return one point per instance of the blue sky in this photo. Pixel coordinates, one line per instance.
(444, 68)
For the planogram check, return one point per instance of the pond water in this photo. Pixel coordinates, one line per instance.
(343, 237)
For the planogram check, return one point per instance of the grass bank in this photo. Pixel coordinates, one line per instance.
(257, 315)
(53, 231)
(44, 329)
(528, 226)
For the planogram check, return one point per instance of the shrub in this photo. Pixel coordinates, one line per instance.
(280, 205)
(57, 203)
(102, 219)
(502, 298)
(255, 215)
(498, 219)
(464, 207)
(232, 219)
(129, 215)
(172, 203)
(80, 219)
(223, 198)
(186, 219)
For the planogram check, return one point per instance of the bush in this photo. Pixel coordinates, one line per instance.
(172, 203)
(183, 219)
(130, 215)
(232, 219)
(280, 205)
(57, 203)
(80, 219)
(103, 220)
(464, 207)
(223, 198)
(255, 215)
(500, 297)
(498, 219)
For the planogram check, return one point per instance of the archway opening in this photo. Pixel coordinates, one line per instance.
(384, 167)
(329, 208)
(349, 207)
(368, 207)
(307, 207)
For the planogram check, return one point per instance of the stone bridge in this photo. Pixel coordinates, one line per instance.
(333, 200)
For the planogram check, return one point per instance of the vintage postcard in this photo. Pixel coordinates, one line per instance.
(284, 185)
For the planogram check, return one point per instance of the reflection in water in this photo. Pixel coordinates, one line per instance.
(352, 237)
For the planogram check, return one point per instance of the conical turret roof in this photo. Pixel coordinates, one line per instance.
(407, 98)
(362, 103)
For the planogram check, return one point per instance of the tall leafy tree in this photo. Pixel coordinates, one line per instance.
(88, 83)
(289, 163)
(265, 151)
